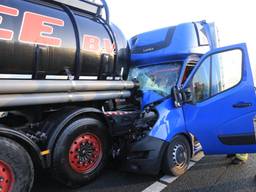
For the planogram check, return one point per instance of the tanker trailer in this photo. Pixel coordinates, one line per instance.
(62, 66)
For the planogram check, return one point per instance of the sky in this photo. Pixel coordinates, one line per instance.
(235, 19)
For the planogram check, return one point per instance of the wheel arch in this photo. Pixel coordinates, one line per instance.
(30, 146)
(190, 139)
(69, 116)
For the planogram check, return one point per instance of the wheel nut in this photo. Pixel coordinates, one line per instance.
(1, 179)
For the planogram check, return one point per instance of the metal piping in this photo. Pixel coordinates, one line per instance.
(14, 100)
(54, 86)
(105, 5)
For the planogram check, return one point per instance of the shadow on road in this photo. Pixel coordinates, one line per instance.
(112, 179)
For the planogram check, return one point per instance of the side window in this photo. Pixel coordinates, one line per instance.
(203, 41)
(217, 73)
(188, 70)
(226, 70)
(201, 82)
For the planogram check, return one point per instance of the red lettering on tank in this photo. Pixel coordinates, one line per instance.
(109, 47)
(6, 34)
(37, 29)
(91, 43)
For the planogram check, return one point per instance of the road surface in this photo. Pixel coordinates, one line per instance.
(210, 174)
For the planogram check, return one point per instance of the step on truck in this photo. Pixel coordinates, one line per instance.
(70, 100)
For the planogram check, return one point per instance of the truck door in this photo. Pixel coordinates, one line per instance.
(221, 110)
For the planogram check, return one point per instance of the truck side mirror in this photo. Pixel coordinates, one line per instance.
(182, 96)
(176, 92)
(187, 96)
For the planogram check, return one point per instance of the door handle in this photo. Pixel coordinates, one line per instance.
(242, 105)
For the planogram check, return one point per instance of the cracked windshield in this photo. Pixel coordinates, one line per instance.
(159, 78)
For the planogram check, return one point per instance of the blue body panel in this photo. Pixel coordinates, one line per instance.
(170, 121)
(150, 48)
(149, 97)
(216, 117)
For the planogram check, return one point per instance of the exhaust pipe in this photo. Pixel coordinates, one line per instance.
(14, 100)
(54, 86)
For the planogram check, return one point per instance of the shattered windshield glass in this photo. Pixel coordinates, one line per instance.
(159, 78)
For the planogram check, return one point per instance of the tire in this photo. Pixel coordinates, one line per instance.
(16, 167)
(80, 153)
(177, 156)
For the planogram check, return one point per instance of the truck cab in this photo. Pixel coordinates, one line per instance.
(199, 92)
(165, 57)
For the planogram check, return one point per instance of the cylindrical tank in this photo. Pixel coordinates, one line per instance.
(50, 40)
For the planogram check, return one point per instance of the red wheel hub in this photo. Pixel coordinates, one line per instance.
(6, 177)
(85, 153)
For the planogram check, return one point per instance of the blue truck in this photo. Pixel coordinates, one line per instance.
(74, 93)
(201, 93)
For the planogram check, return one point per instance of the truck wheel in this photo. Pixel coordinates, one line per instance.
(177, 156)
(16, 167)
(81, 152)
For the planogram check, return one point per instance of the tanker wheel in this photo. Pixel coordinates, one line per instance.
(81, 152)
(16, 167)
(177, 156)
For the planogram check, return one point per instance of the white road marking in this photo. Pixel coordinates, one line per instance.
(159, 185)
(155, 187)
(168, 179)
(191, 164)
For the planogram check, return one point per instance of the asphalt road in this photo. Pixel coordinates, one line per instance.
(211, 174)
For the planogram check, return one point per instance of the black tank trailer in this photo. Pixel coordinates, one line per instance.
(65, 104)
(50, 39)
(47, 40)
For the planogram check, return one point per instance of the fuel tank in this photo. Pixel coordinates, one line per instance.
(49, 39)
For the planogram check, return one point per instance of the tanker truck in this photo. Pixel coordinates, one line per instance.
(62, 66)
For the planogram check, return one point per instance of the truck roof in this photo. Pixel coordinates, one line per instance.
(175, 42)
